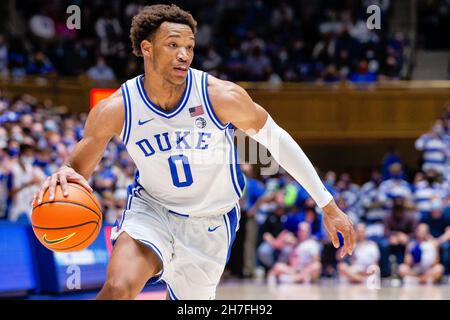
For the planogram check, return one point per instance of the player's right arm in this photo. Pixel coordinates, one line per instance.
(103, 122)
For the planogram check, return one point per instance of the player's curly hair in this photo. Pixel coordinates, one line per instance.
(145, 24)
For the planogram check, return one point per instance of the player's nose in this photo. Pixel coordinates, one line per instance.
(182, 55)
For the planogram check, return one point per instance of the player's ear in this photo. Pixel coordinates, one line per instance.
(146, 48)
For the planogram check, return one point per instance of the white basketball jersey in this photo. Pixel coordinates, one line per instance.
(186, 158)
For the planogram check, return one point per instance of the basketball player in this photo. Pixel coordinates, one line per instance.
(182, 213)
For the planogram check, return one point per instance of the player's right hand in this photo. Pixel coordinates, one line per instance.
(64, 175)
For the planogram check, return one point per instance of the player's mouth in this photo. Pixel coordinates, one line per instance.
(181, 70)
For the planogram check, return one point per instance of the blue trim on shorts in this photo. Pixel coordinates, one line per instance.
(156, 251)
(233, 218)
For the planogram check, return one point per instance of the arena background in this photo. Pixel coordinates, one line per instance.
(370, 107)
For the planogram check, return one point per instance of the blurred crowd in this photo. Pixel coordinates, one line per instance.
(276, 41)
(35, 139)
(403, 225)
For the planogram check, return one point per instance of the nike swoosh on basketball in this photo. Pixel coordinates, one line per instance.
(140, 122)
(57, 241)
(213, 229)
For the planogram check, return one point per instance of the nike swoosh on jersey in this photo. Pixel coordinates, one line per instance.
(213, 229)
(144, 122)
(57, 241)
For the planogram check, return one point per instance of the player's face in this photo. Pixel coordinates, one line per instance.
(173, 51)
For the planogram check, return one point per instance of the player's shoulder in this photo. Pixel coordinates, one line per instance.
(223, 90)
(108, 114)
(227, 98)
(111, 104)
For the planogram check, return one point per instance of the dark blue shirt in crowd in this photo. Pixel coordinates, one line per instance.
(437, 225)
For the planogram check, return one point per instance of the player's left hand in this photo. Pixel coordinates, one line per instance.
(336, 221)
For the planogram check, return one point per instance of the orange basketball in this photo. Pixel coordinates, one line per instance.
(69, 223)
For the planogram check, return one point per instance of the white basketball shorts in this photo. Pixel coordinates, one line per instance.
(193, 250)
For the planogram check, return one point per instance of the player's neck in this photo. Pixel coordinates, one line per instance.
(164, 94)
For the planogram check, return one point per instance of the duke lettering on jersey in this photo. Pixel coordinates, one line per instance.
(185, 157)
(181, 142)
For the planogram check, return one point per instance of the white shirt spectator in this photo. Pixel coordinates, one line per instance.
(101, 72)
(366, 253)
(306, 253)
(394, 188)
(435, 152)
(42, 26)
(425, 193)
(21, 202)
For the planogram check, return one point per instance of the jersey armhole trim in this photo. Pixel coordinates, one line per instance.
(125, 134)
(208, 104)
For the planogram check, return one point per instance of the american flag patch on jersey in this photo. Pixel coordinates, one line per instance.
(196, 111)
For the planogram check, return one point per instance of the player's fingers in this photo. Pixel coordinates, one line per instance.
(333, 236)
(63, 183)
(52, 186)
(84, 183)
(44, 187)
(80, 180)
(346, 234)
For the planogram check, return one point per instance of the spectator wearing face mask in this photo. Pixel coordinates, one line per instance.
(26, 179)
(422, 258)
(427, 187)
(434, 150)
(372, 208)
(395, 185)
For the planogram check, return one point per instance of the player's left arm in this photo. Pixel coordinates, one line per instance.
(232, 104)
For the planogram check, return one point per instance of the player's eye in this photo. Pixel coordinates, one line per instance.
(173, 45)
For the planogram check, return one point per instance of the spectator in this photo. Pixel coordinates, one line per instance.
(389, 159)
(254, 189)
(427, 187)
(272, 237)
(101, 71)
(365, 255)
(40, 65)
(399, 227)
(435, 151)
(26, 180)
(304, 260)
(396, 185)
(422, 259)
(372, 208)
(439, 226)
